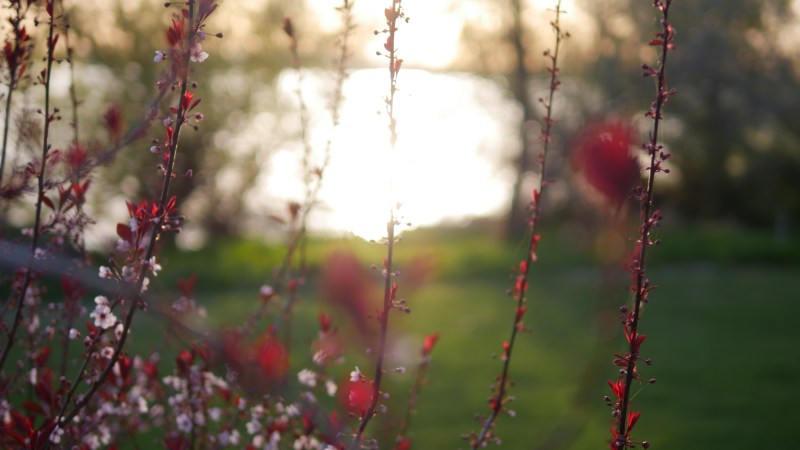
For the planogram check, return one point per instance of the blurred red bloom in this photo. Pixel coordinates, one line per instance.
(272, 357)
(355, 396)
(430, 342)
(602, 157)
(346, 284)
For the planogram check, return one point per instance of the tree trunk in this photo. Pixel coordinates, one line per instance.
(518, 209)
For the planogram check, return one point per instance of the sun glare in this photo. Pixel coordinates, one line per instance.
(455, 132)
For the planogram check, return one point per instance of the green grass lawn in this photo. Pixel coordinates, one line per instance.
(721, 331)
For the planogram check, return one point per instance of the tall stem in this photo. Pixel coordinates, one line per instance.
(647, 223)
(499, 398)
(40, 193)
(389, 289)
(135, 294)
(13, 74)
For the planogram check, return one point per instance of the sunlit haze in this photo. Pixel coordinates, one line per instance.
(453, 131)
(432, 38)
(456, 131)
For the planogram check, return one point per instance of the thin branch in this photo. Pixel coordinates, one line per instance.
(499, 399)
(393, 14)
(626, 418)
(48, 119)
(136, 293)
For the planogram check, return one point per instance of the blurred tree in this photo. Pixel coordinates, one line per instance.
(736, 147)
(519, 79)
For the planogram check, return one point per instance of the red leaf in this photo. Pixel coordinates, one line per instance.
(53, 43)
(46, 200)
(124, 232)
(633, 417)
(33, 407)
(40, 358)
(187, 286)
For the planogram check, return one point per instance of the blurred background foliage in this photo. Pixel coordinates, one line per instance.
(737, 155)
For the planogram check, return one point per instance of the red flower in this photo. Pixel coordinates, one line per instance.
(635, 339)
(324, 323)
(403, 443)
(617, 388)
(175, 32)
(430, 342)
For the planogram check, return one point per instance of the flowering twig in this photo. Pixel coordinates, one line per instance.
(625, 417)
(16, 55)
(160, 217)
(312, 175)
(393, 14)
(49, 117)
(499, 398)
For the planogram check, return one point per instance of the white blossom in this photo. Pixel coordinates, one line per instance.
(229, 438)
(330, 387)
(55, 435)
(307, 377)
(123, 246)
(292, 410)
(253, 427)
(266, 291)
(102, 315)
(215, 414)
(184, 423)
(306, 443)
(196, 53)
(107, 352)
(154, 267)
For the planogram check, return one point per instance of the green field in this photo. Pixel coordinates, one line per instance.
(721, 331)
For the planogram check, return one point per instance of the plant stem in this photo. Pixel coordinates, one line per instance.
(394, 66)
(73, 95)
(48, 118)
(136, 294)
(642, 287)
(297, 236)
(498, 400)
(12, 79)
